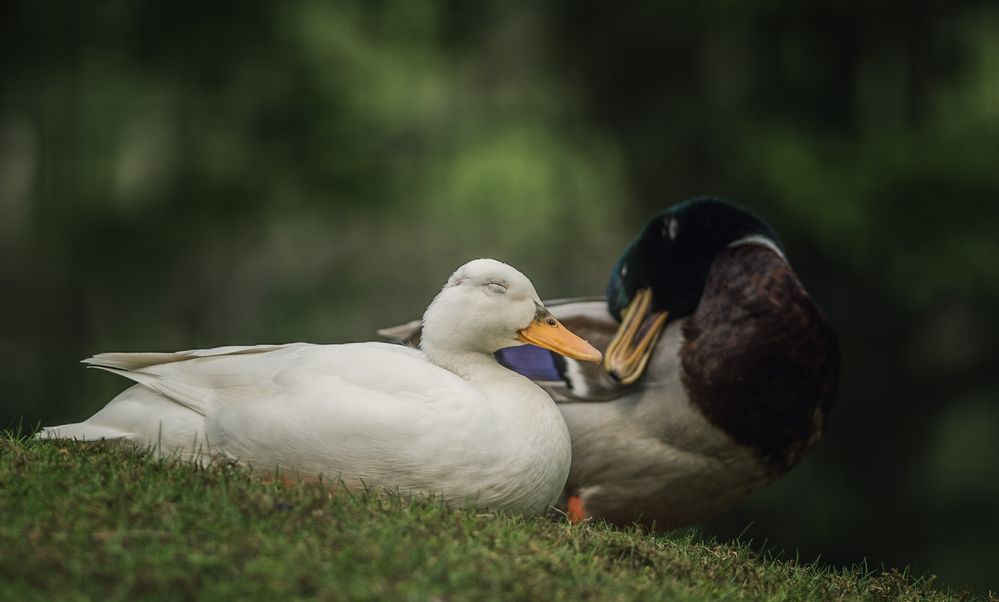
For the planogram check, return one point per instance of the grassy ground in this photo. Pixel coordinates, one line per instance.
(96, 521)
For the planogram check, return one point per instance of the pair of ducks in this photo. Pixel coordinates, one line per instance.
(718, 373)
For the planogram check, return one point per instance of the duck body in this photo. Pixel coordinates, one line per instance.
(445, 420)
(733, 397)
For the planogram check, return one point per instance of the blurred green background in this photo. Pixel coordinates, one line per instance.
(178, 174)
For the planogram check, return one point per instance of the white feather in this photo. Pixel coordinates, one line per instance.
(763, 241)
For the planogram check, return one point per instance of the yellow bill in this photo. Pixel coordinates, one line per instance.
(629, 351)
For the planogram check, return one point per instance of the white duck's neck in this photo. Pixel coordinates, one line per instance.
(470, 365)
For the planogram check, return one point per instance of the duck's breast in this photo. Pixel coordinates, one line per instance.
(760, 359)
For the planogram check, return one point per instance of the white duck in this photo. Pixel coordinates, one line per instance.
(446, 420)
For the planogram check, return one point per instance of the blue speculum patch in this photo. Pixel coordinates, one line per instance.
(533, 362)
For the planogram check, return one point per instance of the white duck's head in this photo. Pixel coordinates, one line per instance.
(487, 305)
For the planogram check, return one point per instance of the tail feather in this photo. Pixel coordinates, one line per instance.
(133, 361)
(139, 360)
(176, 391)
(81, 431)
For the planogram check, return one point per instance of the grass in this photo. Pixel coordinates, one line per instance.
(99, 521)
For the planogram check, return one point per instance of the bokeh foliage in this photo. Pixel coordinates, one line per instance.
(177, 174)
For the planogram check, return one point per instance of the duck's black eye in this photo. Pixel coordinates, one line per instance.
(551, 322)
(624, 270)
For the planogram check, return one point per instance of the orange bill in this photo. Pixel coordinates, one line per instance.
(545, 331)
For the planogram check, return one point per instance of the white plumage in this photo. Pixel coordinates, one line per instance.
(444, 420)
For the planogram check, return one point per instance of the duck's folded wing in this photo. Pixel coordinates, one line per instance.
(284, 402)
(377, 412)
(198, 378)
(176, 391)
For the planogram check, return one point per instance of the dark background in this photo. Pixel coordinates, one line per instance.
(185, 174)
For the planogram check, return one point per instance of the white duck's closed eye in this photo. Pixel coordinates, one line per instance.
(444, 420)
(497, 287)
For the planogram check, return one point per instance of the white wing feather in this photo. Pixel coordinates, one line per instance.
(370, 409)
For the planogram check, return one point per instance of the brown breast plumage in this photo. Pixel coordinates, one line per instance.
(760, 359)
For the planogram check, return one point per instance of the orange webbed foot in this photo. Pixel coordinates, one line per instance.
(574, 509)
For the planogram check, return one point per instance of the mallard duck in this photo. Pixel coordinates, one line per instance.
(446, 419)
(719, 371)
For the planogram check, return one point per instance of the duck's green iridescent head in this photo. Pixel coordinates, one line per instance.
(663, 271)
